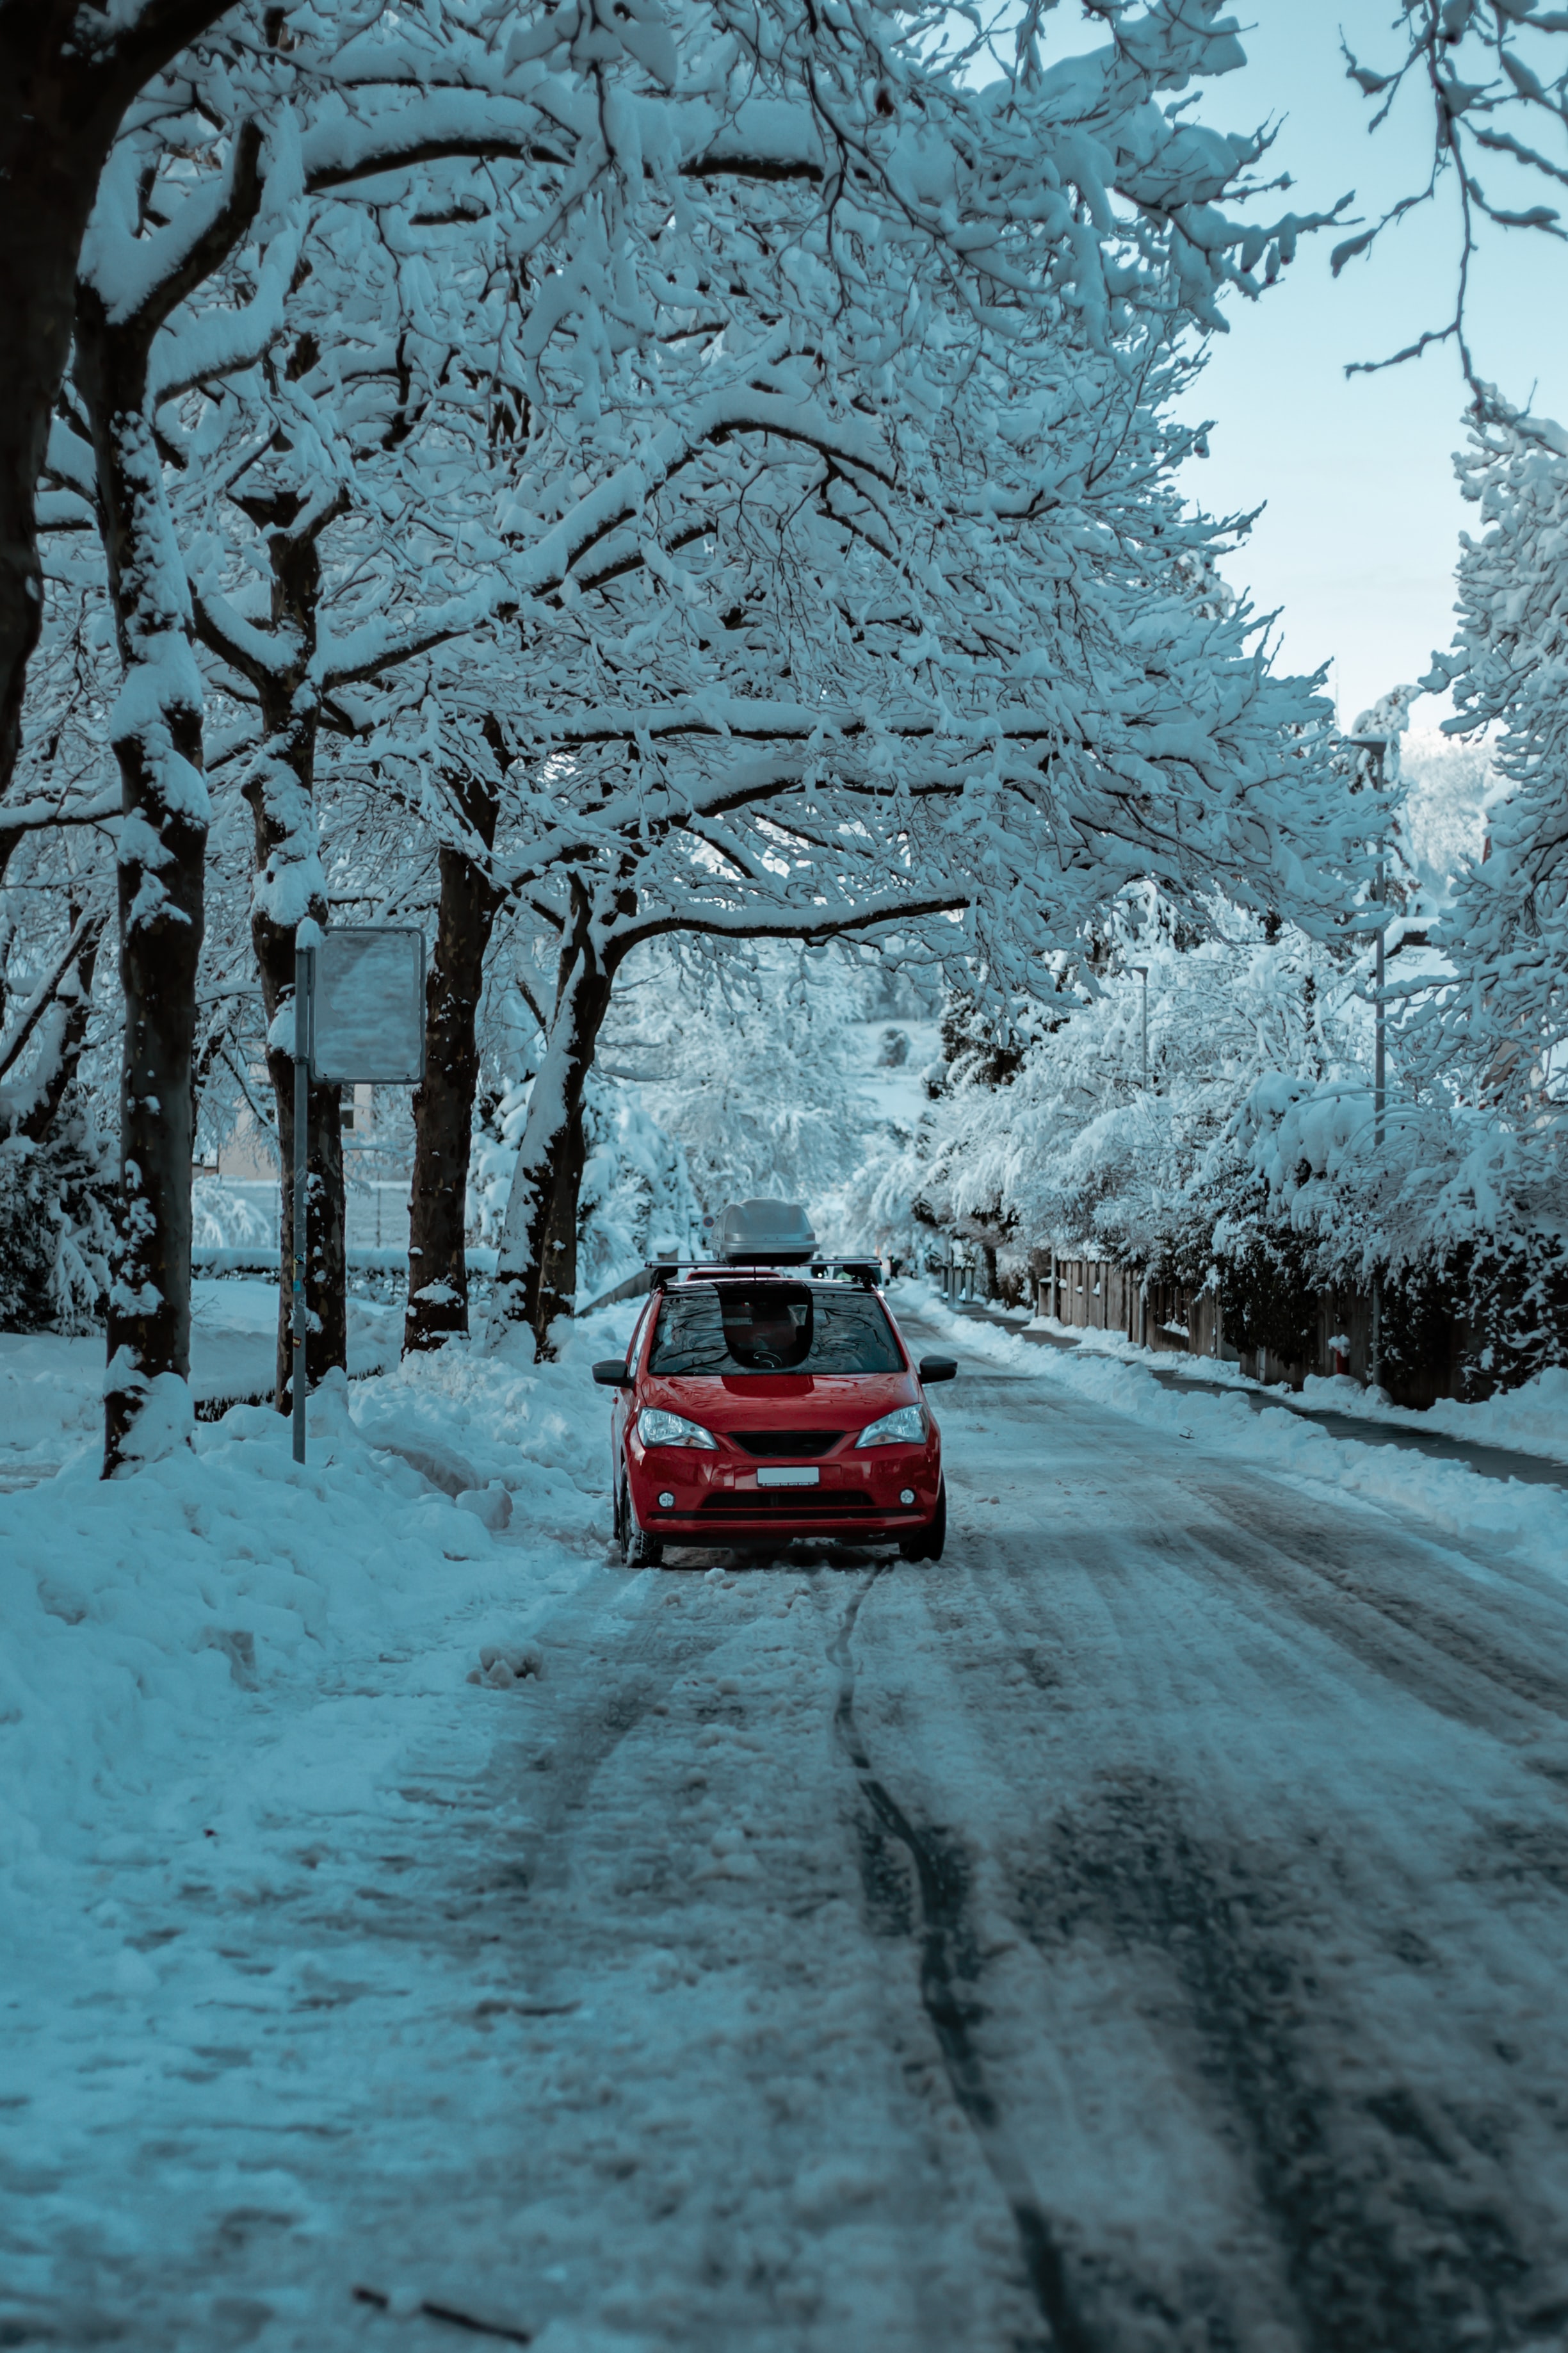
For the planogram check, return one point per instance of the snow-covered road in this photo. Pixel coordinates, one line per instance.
(1143, 1932)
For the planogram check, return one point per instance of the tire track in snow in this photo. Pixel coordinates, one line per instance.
(1394, 2235)
(1436, 1636)
(629, 1677)
(1390, 2208)
(948, 1966)
(1392, 2201)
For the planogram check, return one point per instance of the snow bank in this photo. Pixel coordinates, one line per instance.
(1533, 1419)
(1530, 1420)
(221, 1605)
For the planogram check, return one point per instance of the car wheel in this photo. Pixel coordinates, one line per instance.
(639, 1549)
(926, 1543)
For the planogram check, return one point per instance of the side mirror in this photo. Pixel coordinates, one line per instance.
(937, 1368)
(611, 1374)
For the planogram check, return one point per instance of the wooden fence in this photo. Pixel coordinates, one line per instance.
(1098, 1296)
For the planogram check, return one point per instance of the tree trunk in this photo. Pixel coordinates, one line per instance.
(62, 94)
(163, 849)
(157, 736)
(444, 1104)
(537, 1277)
(290, 887)
(161, 918)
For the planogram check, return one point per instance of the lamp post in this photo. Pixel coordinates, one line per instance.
(1378, 747)
(307, 939)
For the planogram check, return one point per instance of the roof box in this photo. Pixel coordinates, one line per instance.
(765, 1233)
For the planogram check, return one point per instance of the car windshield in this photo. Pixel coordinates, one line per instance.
(776, 1327)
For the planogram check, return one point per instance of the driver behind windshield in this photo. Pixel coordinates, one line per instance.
(718, 1328)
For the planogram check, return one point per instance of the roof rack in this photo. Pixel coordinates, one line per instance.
(868, 1272)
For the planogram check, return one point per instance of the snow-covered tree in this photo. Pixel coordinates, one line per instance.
(723, 263)
(748, 1062)
(1498, 1030)
(1491, 75)
(67, 73)
(1053, 1136)
(220, 156)
(1009, 682)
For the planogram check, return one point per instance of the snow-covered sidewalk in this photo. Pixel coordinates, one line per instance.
(238, 1722)
(50, 1388)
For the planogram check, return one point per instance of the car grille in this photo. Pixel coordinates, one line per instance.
(775, 1442)
(788, 1503)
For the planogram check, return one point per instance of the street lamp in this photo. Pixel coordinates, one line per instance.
(1143, 972)
(1378, 746)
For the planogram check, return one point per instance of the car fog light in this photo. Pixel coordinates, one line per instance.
(665, 1500)
(905, 1494)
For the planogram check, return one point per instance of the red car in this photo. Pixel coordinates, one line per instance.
(759, 1405)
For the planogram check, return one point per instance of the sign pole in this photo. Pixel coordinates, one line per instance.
(303, 977)
(359, 1016)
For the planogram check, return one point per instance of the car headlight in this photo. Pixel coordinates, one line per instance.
(656, 1428)
(907, 1427)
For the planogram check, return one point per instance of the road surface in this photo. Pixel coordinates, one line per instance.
(1143, 1932)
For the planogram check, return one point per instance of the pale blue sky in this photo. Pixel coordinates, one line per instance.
(1359, 534)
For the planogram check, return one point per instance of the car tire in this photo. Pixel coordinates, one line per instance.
(639, 1549)
(926, 1543)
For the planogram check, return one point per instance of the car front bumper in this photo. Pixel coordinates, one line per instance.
(716, 1499)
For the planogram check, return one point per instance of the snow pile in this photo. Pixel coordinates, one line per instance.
(240, 1701)
(1530, 1420)
(227, 1599)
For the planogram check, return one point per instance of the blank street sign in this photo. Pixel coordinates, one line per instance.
(368, 1025)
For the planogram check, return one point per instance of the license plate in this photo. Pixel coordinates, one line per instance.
(790, 1474)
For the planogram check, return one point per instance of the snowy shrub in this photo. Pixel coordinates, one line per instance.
(1266, 1278)
(1515, 1303)
(55, 1230)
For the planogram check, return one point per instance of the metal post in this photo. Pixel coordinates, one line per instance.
(1379, 1090)
(1377, 746)
(1379, 1078)
(303, 977)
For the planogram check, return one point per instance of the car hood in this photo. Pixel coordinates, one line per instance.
(726, 1401)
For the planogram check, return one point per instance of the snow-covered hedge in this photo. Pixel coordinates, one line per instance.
(1253, 1163)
